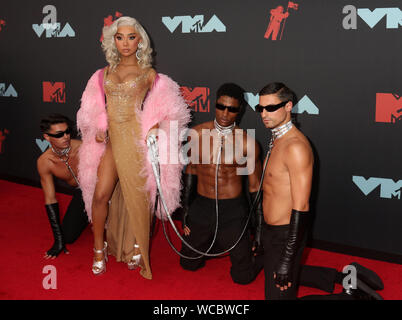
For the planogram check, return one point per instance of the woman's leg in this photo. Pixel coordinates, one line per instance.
(107, 179)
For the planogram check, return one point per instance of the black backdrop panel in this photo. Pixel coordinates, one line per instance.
(348, 81)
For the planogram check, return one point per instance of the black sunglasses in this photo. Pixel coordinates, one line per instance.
(231, 109)
(59, 134)
(270, 107)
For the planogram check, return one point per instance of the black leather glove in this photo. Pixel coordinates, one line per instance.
(53, 214)
(189, 194)
(299, 225)
(256, 223)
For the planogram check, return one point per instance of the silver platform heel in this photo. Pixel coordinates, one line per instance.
(99, 267)
(135, 260)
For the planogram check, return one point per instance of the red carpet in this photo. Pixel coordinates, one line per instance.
(26, 235)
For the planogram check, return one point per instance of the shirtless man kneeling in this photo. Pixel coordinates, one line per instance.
(61, 161)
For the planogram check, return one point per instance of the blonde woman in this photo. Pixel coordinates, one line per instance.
(113, 163)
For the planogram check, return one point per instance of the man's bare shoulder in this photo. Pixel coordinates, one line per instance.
(45, 161)
(298, 148)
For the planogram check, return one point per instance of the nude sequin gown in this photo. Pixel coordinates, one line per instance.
(129, 218)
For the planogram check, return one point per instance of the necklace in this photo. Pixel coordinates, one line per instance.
(282, 130)
(63, 153)
(224, 131)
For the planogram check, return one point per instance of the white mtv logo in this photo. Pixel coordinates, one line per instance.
(304, 105)
(393, 20)
(196, 24)
(389, 188)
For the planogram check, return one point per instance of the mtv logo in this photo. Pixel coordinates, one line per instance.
(197, 98)
(388, 108)
(194, 24)
(305, 105)
(389, 188)
(10, 92)
(42, 144)
(54, 92)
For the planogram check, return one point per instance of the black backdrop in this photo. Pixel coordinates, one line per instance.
(346, 76)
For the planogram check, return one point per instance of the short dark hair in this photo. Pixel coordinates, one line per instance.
(231, 90)
(281, 90)
(52, 119)
(236, 92)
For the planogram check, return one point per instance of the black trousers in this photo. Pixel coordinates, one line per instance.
(274, 239)
(232, 219)
(75, 220)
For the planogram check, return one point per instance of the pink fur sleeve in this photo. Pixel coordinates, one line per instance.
(166, 107)
(91, 117)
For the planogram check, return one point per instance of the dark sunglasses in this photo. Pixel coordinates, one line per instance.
(59, 134)
(270, 107)
(231, 109)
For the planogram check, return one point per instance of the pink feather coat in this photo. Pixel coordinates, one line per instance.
(164, 105)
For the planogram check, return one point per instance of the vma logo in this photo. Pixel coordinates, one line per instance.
(52, 27)
(109, 20)
(3, 134)
(371, 18)
(305, 105)
(388, 108)
(388, 188)
(54, 92)
(195, 25)
(275, 20)
(197, 98)
(2, 24)
(9, 92)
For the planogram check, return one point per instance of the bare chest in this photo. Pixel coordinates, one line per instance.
(61, 168)
(229, 152)
(276, 173)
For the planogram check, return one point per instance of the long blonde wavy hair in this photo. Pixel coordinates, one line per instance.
(109, 47)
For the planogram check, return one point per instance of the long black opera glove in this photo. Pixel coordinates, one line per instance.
(256, 223)
(299, 225)
(189, 194)
(54, 219)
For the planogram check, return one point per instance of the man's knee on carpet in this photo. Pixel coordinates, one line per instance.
(192, 265)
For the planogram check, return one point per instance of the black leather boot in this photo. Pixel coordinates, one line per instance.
(54, 219)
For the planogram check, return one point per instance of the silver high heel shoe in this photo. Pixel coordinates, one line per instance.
(135, 260)
(99, 267)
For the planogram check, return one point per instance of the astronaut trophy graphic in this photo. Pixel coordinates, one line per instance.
(275, 22)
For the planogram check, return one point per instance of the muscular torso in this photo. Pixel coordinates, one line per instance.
(277, 189)
(229, 181)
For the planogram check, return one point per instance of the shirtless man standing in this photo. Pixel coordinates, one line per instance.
(61, 161)
(199, 183)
